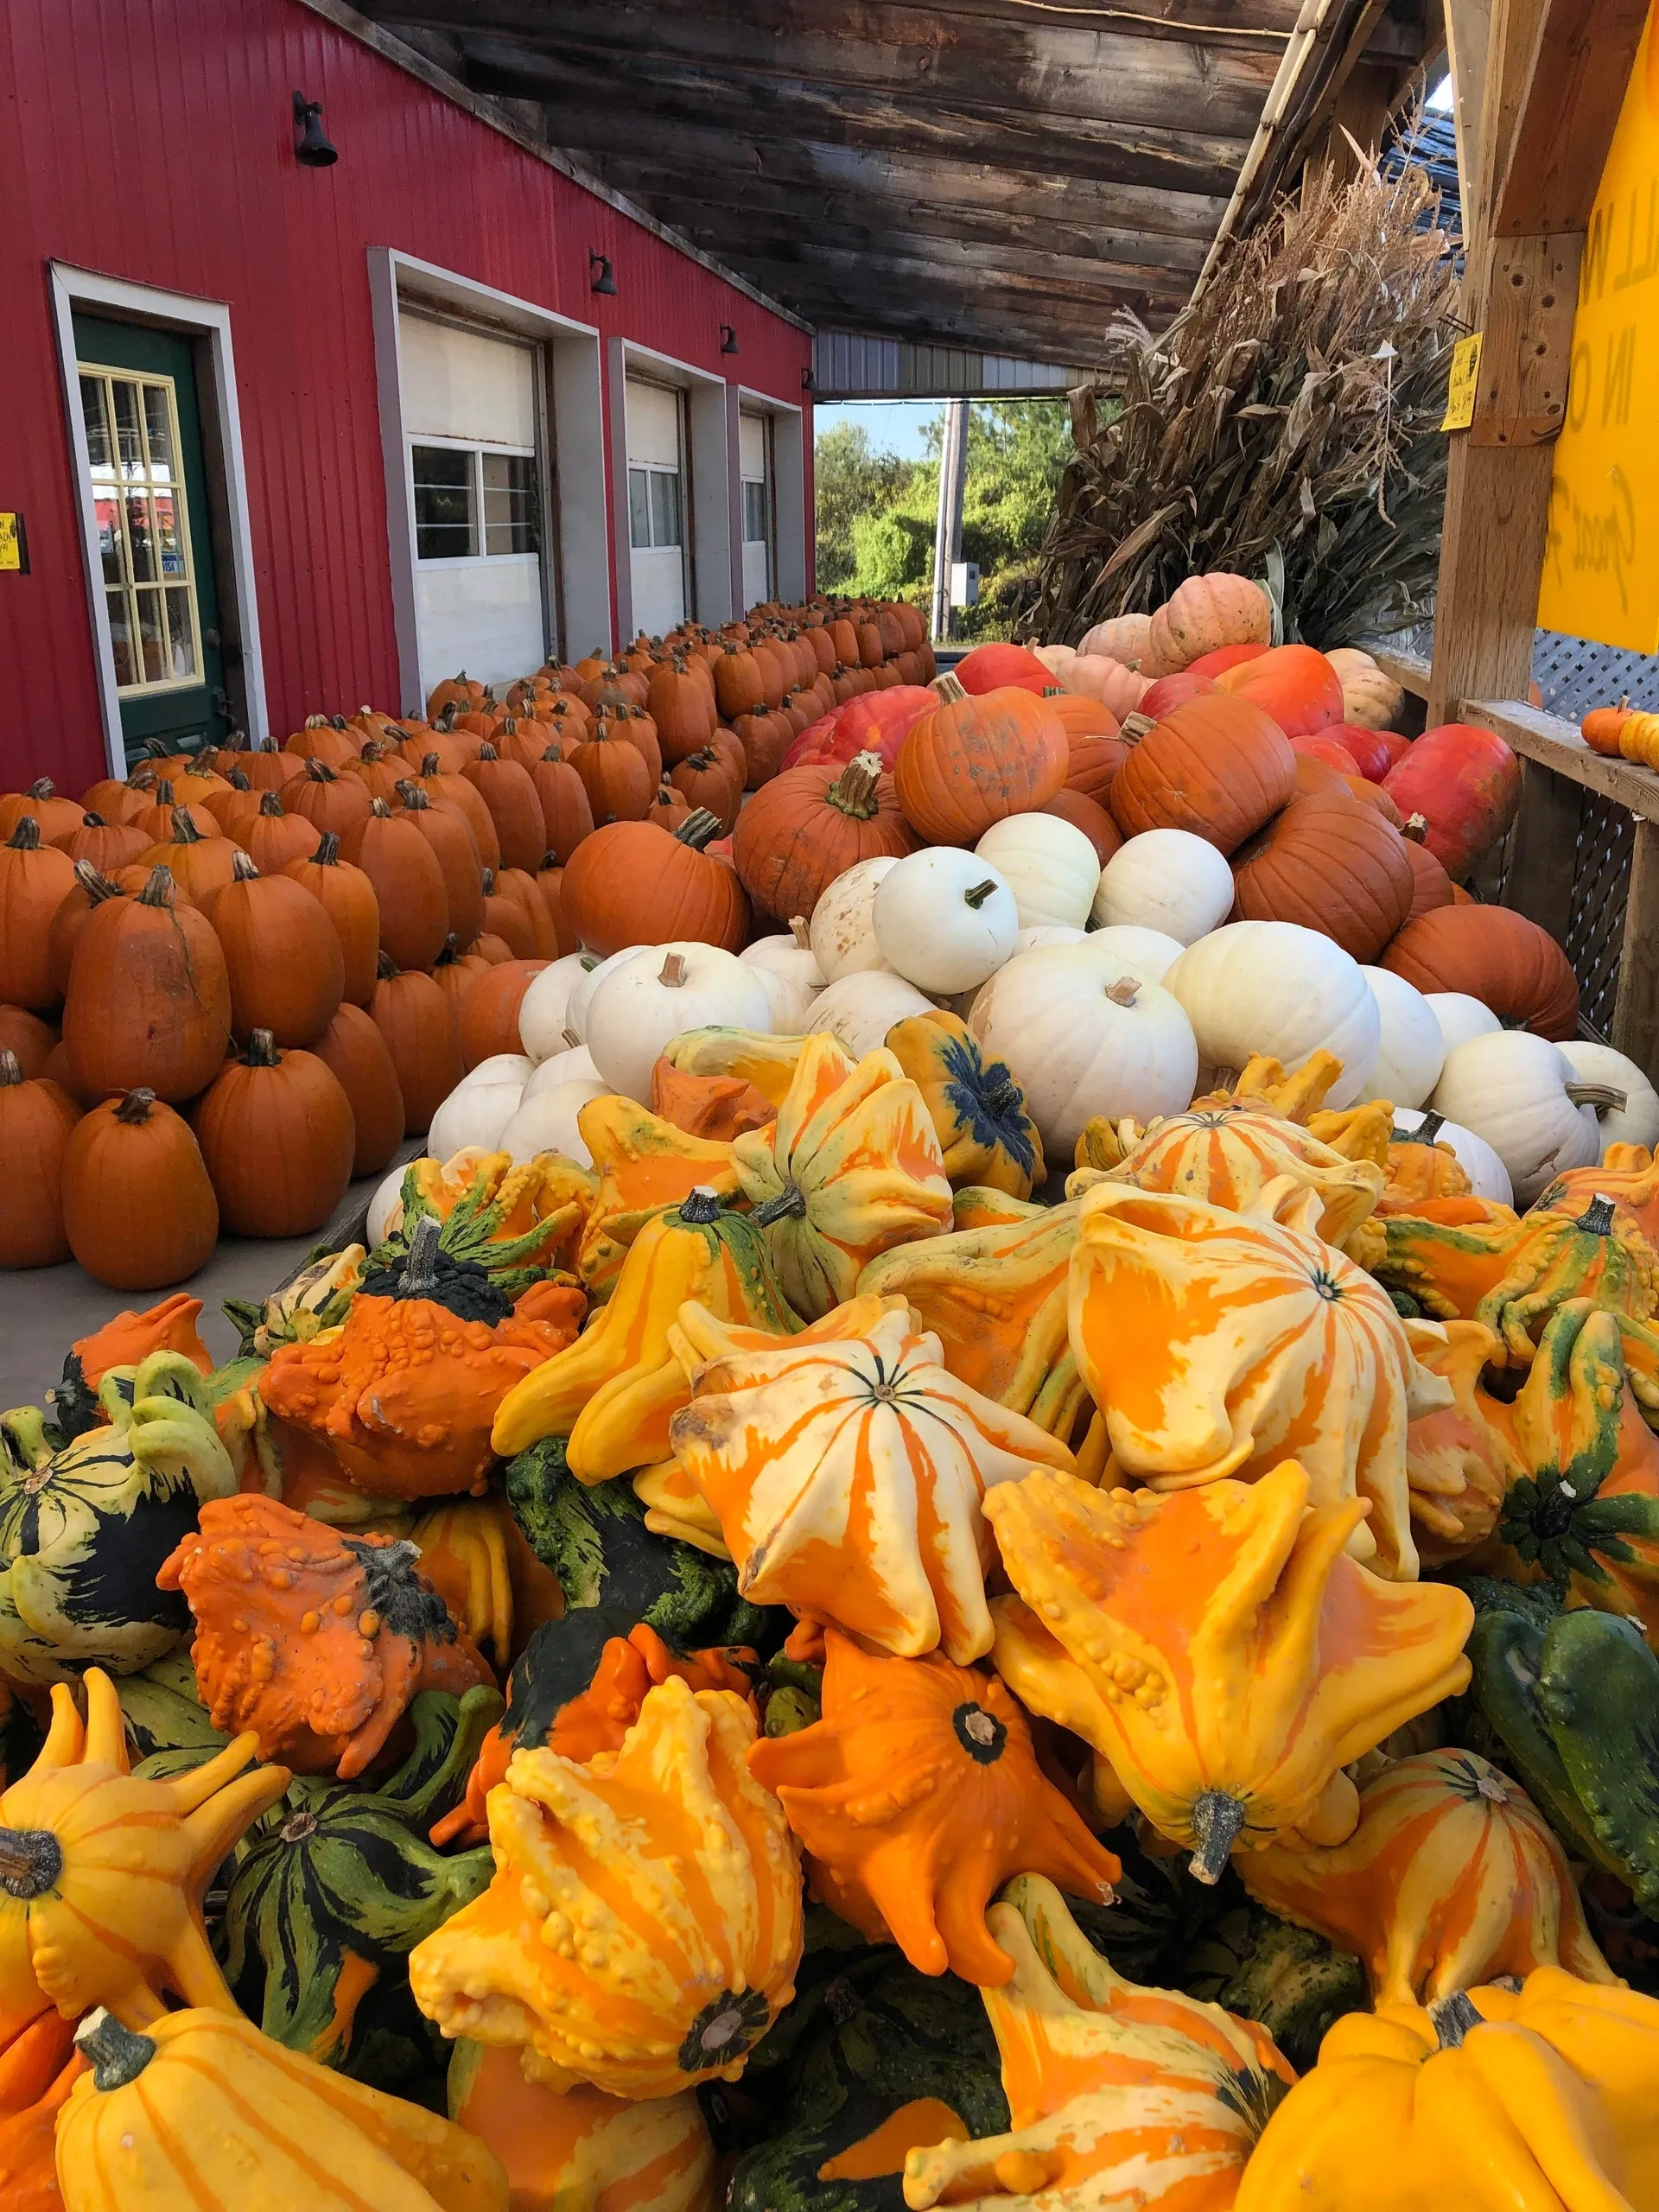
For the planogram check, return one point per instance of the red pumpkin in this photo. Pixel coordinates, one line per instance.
(810, 825)
(1465, 783)
(1496, 956)
(976, 761)
(1371, 750)
(277, 1133)
(1329, 865)
(1169, 692)
(1216, 766)
(1295, 685)
(1216, 664)
(357, 1056)
(877, 722)
(1327, 749)
(994, 667)
(631, 883)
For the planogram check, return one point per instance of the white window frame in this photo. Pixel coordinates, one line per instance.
(479, 451)
(144, 688)
(114, 296)
(575, 560)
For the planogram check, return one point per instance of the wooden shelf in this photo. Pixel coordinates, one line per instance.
(1557, 746)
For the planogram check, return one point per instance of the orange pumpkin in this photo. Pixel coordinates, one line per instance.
(409, 884)
(1294, 684)
(282, 956)
(1494, 955)
(277, 1133)
(455, 850)
(974, 761)
(347, 897)
(149, 1001)
(631, 883)
(916, 1795)
(1218, 767)
(1329, 865)
(35, 1121)
(810, 825)
(34, 879)
(422, 1035)
(353, 1050)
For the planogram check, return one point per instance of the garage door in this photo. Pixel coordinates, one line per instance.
(472, 419)
(754, 460)
(657, 505)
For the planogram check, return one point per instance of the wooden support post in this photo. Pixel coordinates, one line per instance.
(1544, 850)
(1635, 1007)
(1468, 40)
(947, 535)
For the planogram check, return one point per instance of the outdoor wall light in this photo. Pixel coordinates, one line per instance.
(600, 278)
(807, 383)
(728, 339)
(311, 145)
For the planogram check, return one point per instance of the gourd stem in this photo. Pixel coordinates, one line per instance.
(1596, 1219)
(979, 895)
(1415, 828)
(1429, 1128)
(571, 1037)
(1598, 1095)
(135, 1107)
(789, 1204)
(31, 1861)
(1452, 2017)
(1224, 1079)
(118, 2054)
(1218, 1821)
(700, 1205)
(327, 852)
(419, 1278)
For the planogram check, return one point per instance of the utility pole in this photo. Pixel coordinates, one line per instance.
(947, 535)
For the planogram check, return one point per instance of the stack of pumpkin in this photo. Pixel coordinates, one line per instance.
(237, 979)
(1147, 1698)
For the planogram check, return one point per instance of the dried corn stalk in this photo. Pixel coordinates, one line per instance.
(1289, 415)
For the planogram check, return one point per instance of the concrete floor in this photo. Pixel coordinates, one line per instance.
(44, 1310)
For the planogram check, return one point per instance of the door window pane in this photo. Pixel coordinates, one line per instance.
(664, 507)
(143, 534)
(444, 521)
(639, 507)
(511, 503)
(754, 512)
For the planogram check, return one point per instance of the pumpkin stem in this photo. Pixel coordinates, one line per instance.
(979, 893)
(789, 1204)
(488, 752)
(98, 887)
(853, 792)
(673, 971)
(242, 867)
(386, 969)
(698, 828)
(42, 787)
(379, 808)
(185, 832)
(1224, 1079)
(327, 852)
(700, 1205)
(319, 771)
(413, 799)
(134, 1109)
(798, 931)
(571, 1037)
(1452, 2017)
(11, 1070)
(158, 891)
(270, 804)
(26, 837)
(1125, 991)
(261, 1051)
(429, 763)
(419, 1278)
(1218, 1821)
(1596, 1219)
(31, 1859)
(118, 2054)
(1598, 1095)
(93, 821)
(950, 687)
(1134, 727)
(1415, 827)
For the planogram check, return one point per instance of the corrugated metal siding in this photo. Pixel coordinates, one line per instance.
(154, 143)
(847, 367)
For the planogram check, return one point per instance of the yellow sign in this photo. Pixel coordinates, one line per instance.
(1601, 563)
(11, 542)
(1466, 377)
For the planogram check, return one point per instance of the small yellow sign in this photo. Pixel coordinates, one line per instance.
(1466, 377)
(11, 542)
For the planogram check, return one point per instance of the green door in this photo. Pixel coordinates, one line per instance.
(149, 492)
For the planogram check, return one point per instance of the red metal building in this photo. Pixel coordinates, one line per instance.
(284, 438)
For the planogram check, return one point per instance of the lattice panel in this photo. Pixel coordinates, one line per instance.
(1574, 675)
(1601, 883)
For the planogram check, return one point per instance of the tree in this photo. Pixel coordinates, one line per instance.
(853, 483)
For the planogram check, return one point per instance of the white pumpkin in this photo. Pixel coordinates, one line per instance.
(861, 1007)
(1278, 989)
(1048, 864)
(1411, 1050)
(1488, 1177)
(563, 1067)
(500, 1067)
(1636, 1122)
(1050, 933)
(1166, 880)
(943, 919)
(385, 1208)
(472, 1113)
(1082, 1038)
(1511, 1088)
(1460, 1017)
(841, 934)
(1146, 953)
(543, 1010)
(548, 1121)
(791, 975)
(659, 990)
(582, 996)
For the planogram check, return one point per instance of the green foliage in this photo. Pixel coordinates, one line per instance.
(877, 513)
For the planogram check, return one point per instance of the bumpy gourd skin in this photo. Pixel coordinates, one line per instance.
(1218, 1647)
(314, 1640)
(1488, 2101)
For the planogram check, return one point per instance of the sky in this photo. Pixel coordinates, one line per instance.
(895, 426)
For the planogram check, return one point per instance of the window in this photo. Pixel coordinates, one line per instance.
(654, 507)
(144, 536)
(464, 494)
(755, 518)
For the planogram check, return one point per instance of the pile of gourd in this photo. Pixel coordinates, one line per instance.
(240, 977)
(1148, 1698)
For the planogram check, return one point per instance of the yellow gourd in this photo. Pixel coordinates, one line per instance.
(751, 1055)
(203, 2111)
(644, 1166)
(1234, 1659)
